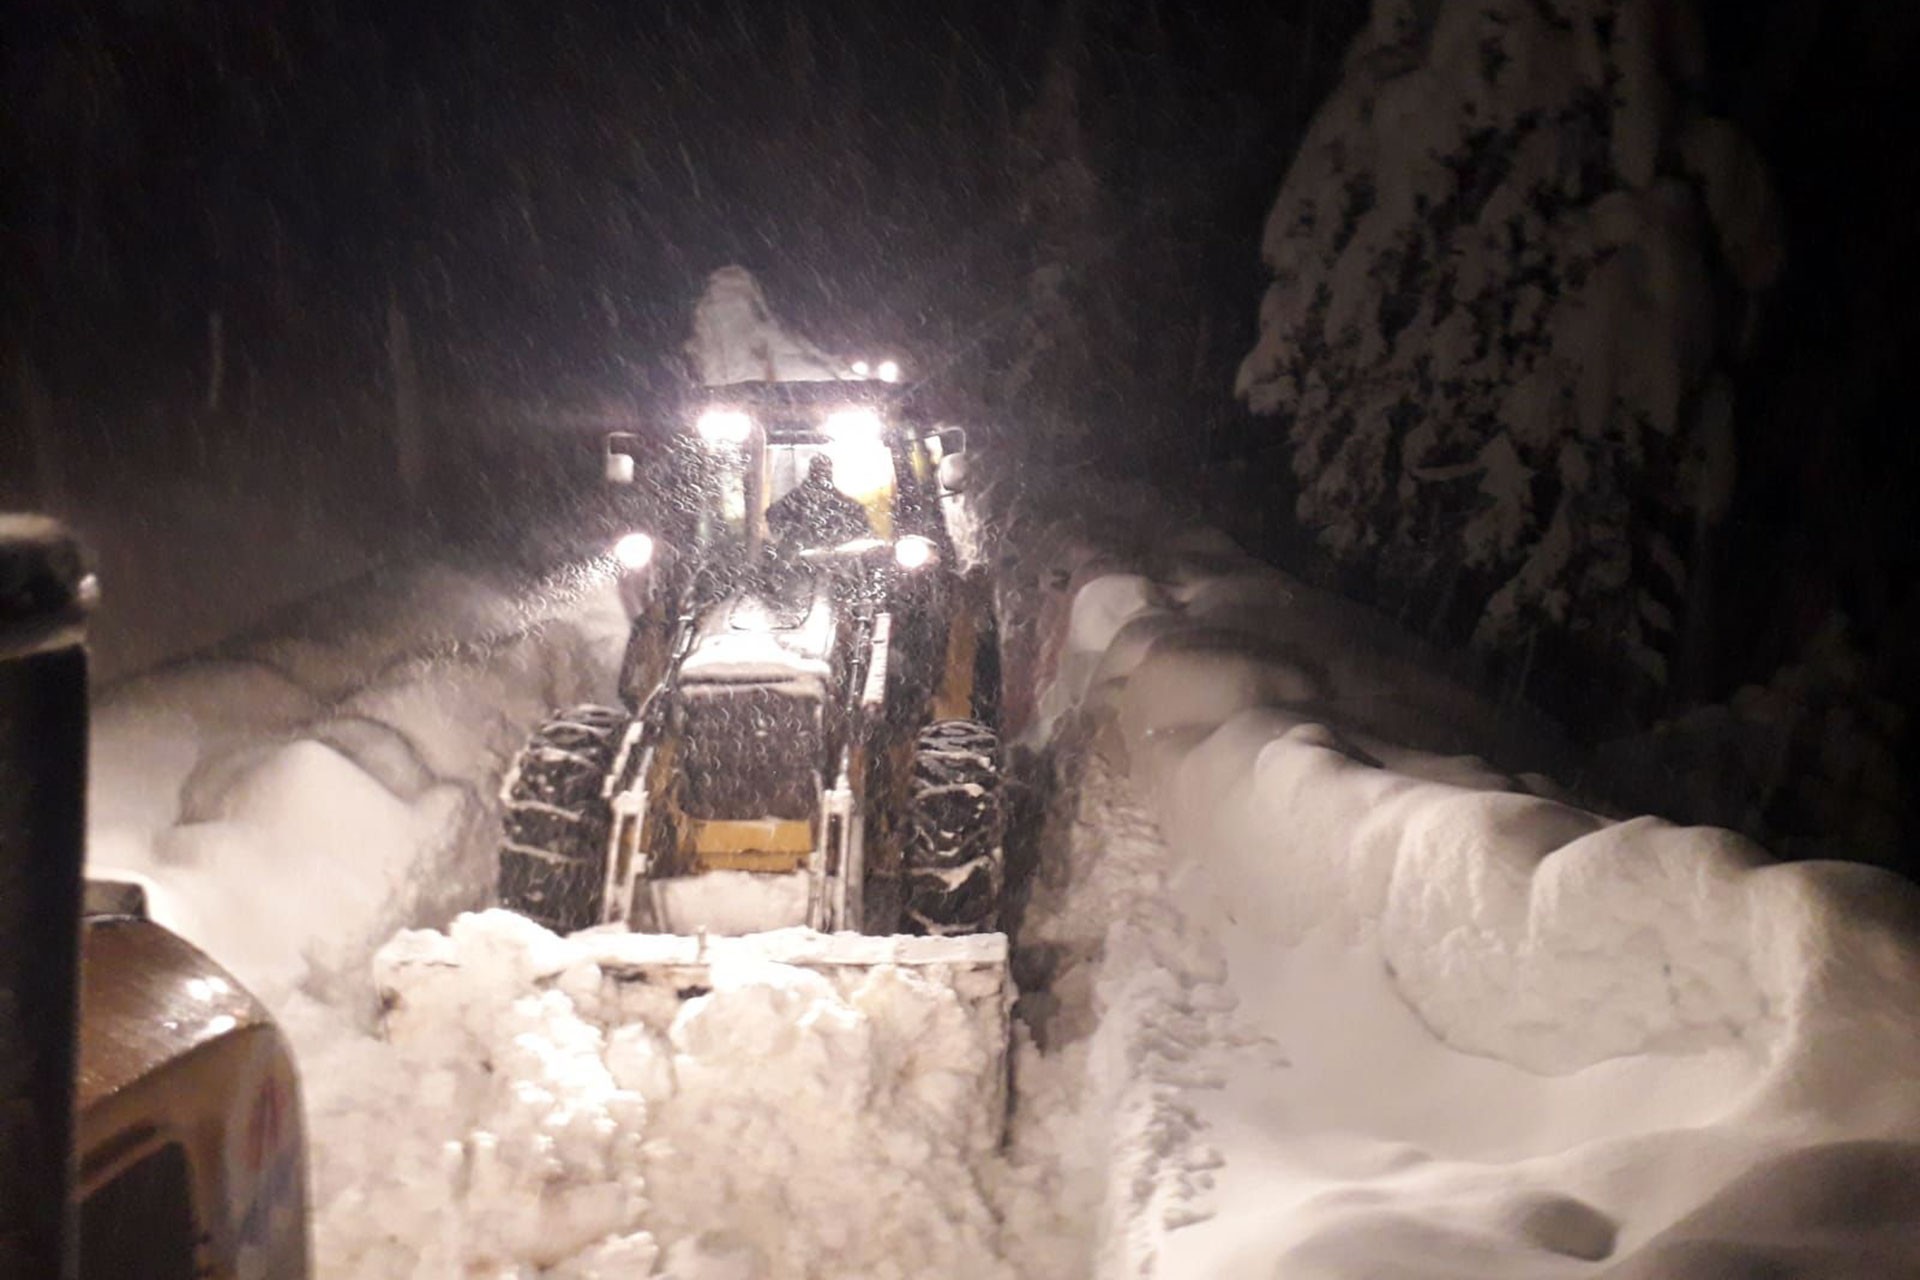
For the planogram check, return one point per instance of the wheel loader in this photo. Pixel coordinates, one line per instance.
(806, 735)
(150, 1119)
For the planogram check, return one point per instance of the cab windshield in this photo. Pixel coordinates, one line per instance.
(863, 470)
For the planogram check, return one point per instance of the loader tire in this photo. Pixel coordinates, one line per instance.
(554, 858)
(952, 859)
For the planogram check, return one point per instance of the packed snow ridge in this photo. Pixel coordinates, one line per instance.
(1361, 1009)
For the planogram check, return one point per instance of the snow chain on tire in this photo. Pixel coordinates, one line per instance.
(953, 857)
(553, 862)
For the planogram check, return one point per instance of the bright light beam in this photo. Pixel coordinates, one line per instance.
(724, 427)
(634, 552)
(913, 552)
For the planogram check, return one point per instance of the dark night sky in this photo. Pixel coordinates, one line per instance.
(545, 184)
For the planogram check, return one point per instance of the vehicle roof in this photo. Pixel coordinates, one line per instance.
(148, 998)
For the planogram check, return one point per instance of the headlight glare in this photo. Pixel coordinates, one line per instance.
(913, 552)
(724, 427)
(850, 426)
(634, 552)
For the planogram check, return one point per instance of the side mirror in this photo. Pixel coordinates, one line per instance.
(951, 442)
(619, 457)
(953, 474)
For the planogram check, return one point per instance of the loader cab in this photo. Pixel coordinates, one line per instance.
(863, 464)
(767, 435)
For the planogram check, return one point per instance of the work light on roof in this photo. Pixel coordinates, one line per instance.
(849, 426)
(724, 427)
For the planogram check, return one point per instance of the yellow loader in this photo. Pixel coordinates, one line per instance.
(807, 731)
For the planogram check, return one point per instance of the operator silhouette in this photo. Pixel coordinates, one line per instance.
(816, 514)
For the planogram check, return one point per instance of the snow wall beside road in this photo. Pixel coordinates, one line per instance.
(1690, 1057)
(295, 798)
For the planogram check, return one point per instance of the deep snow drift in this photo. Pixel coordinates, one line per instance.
(1339, 1007)
(298, 797)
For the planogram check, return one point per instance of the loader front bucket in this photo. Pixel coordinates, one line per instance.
(944, 998)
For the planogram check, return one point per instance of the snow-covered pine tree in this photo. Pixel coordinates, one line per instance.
(1507, 262)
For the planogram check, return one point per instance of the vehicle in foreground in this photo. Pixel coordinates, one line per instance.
(150, 1120)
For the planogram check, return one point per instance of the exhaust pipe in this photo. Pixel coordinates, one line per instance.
(45, 593)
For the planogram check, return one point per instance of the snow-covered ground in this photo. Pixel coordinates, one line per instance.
(1330, 1005)
(1312, 989)
(297, 797)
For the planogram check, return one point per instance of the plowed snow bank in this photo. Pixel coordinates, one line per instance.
(296, 799)
(1336, 1002)
(788, 1120)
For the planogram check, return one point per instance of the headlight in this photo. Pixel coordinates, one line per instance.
(889, 371)
(724, 427)
(634, 552)
(853, 426)
(913, 552)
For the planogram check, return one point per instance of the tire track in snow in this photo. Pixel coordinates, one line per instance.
(1129, 1014)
